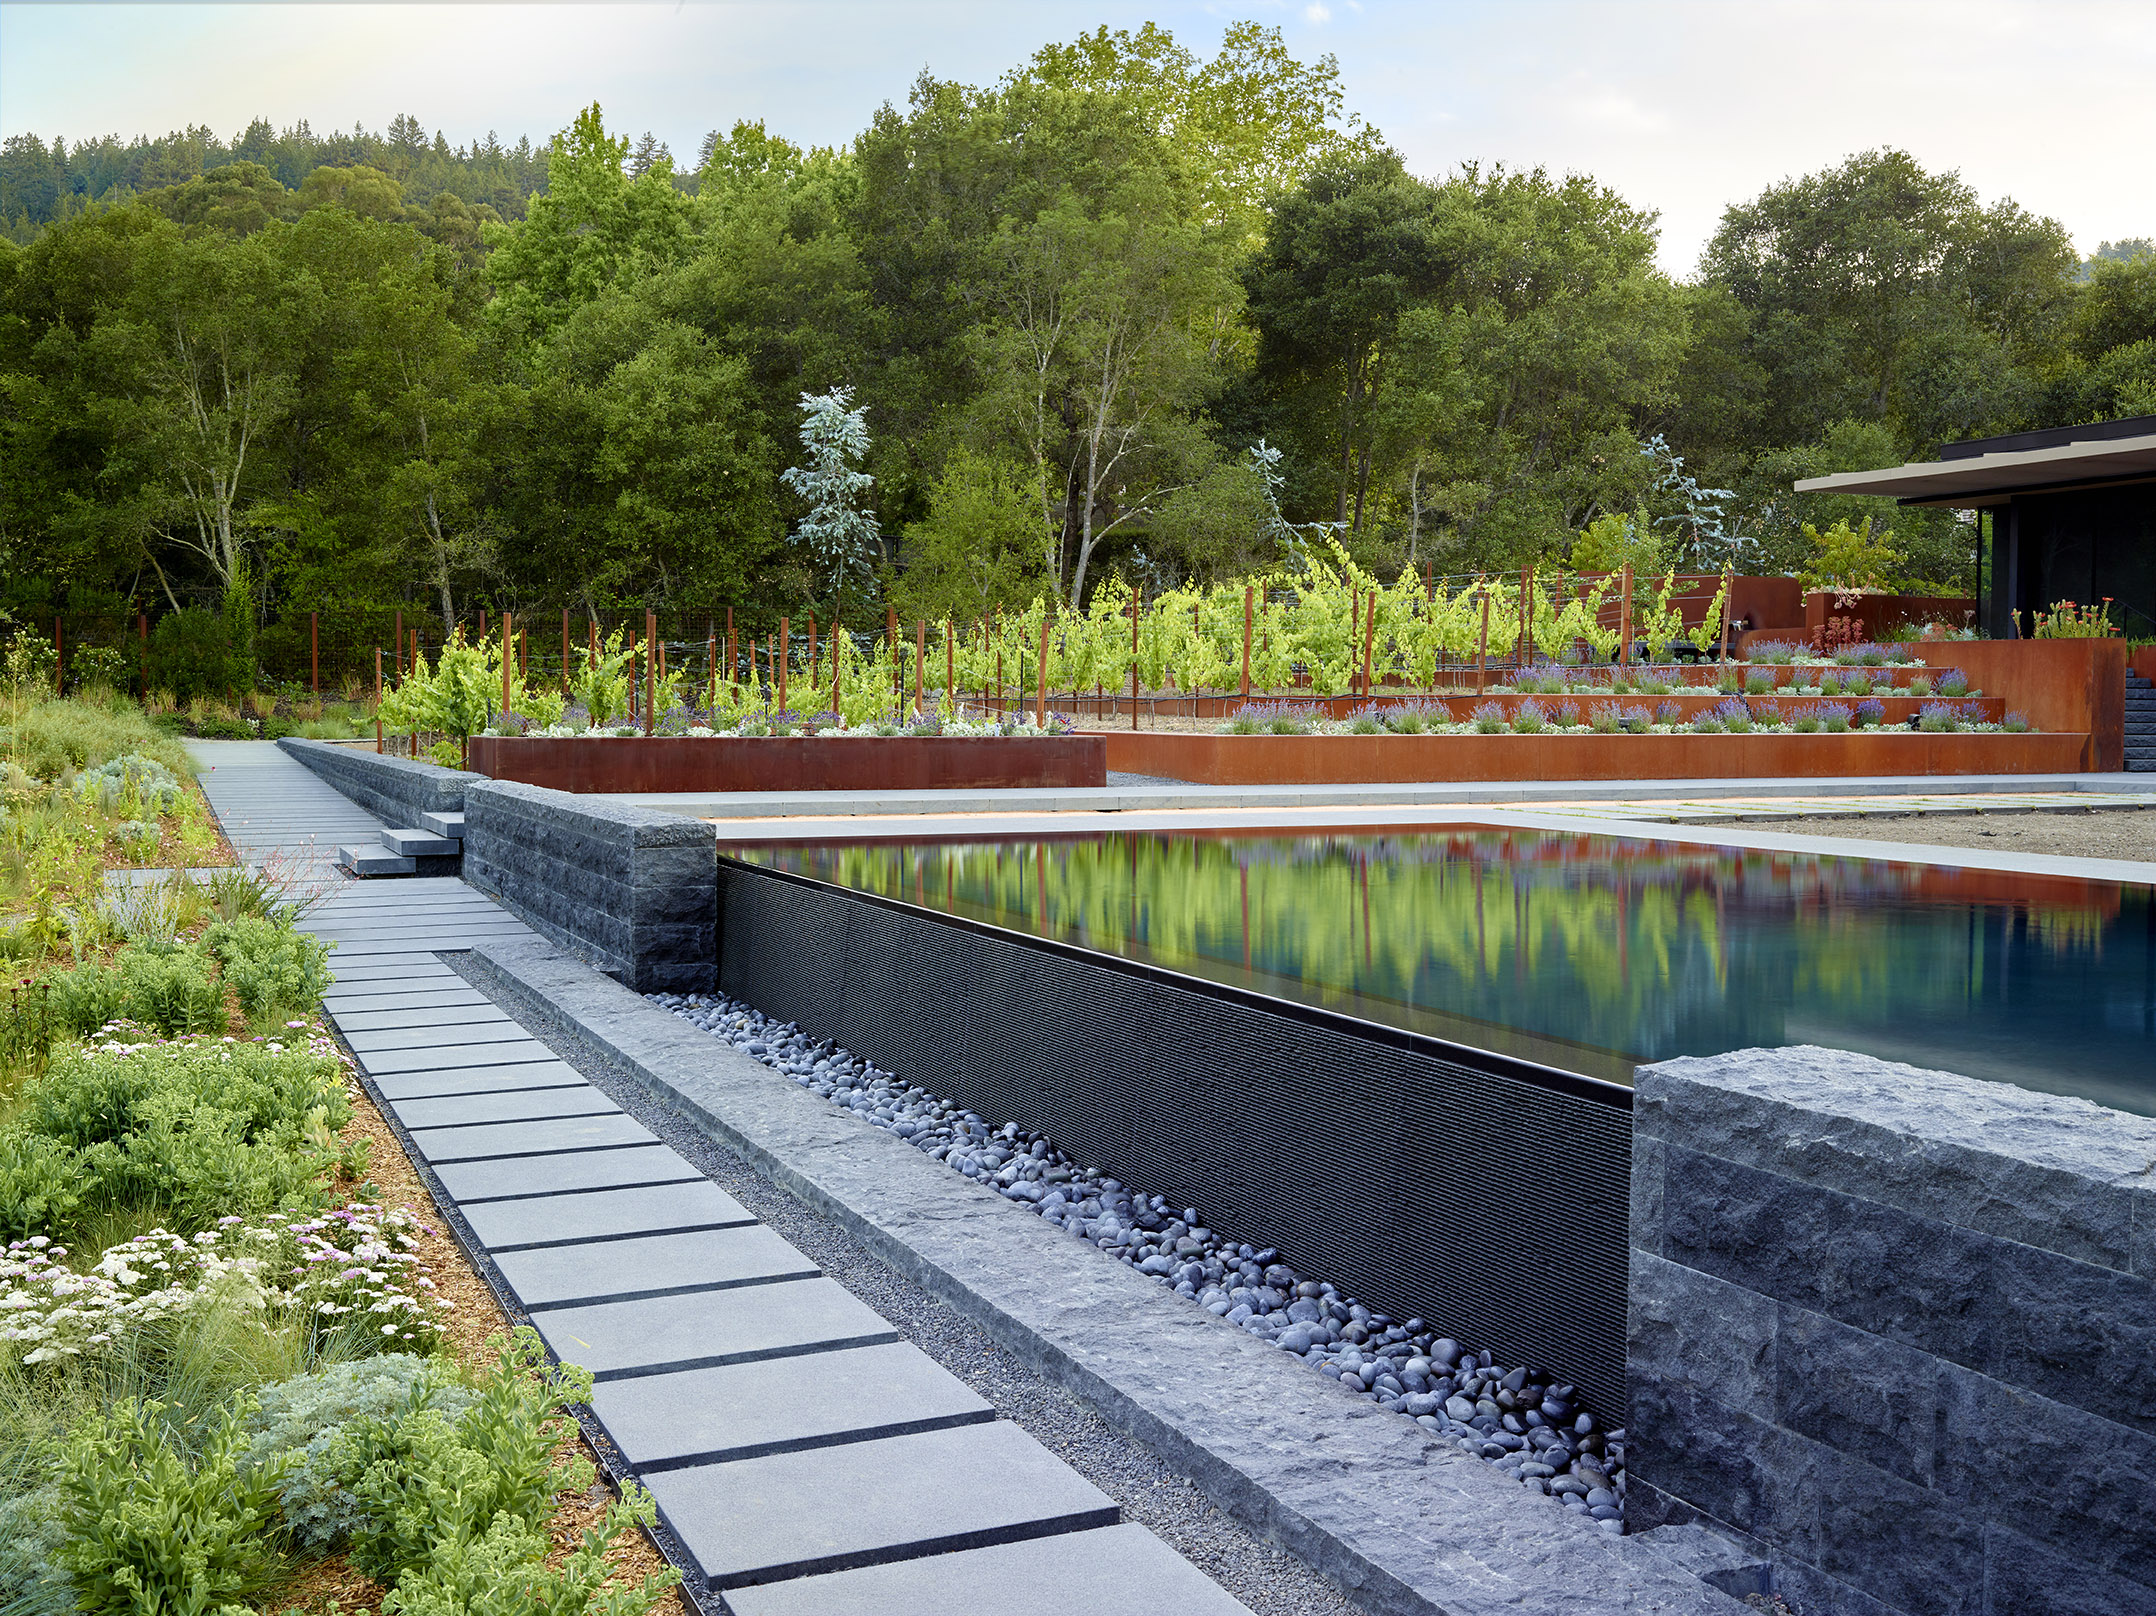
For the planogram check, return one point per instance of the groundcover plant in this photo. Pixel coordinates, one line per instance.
(227, 1369)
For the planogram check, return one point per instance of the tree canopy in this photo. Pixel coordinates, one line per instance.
(1130, 310)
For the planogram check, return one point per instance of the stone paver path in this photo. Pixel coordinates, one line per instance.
(810, 1459)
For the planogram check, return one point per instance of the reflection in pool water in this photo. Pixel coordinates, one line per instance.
(1591, 953)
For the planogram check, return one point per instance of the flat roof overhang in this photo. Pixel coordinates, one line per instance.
(1992, 479)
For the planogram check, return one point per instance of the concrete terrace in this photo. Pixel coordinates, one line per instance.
(713, 1341)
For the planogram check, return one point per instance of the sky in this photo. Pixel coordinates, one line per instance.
(1683, 106)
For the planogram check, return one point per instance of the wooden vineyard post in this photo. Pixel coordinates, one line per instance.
(1527, 639)
(711, 666)
(314, 652)
(591, 651)
(1040, 685)
(1482, 650)
(733, 651)
(1369, 644)
(378, 698)
(1248, 591)
(508, 647)
(812, 648)
(920, 662)
(837, 705)
(651, 669)
(1135, 604)
(999, 681)
(400, 643)
(1728, 602)
(565, 653)
(950, 668)
(784, 630)
(1624, 615)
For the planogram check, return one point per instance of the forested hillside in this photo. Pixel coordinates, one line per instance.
(1130, 309)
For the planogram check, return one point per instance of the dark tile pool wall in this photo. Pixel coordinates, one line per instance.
(1487, 1203)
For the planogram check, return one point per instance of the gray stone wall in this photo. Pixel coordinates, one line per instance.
(1897, 1328)
(396, 790)
(634, 892)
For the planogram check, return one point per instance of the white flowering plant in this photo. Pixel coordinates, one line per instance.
(354, 1271)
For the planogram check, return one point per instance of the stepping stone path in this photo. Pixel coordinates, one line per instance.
(810, 1460)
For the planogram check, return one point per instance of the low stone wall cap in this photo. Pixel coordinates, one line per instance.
(2058, 1131)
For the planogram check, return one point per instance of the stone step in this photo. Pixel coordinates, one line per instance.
(448, 826)
(375, 861)
(420, 844)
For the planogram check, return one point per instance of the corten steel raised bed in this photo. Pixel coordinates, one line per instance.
(1899, 708)
(793, 762)
(1248, 760)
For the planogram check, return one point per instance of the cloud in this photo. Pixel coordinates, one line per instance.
(1318, 14)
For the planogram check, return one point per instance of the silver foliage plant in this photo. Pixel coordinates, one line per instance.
(842, 537)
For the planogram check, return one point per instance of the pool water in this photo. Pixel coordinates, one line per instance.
(1586, 952)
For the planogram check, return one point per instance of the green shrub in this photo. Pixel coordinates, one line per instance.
(171, 989)
(504, 1572)
(32, 1580)
(421, 1479)
(150, 1532)
(275, 970)
(130, 784)
(57, 735)
(304, 1420)
(190, 655)
(198, 1130)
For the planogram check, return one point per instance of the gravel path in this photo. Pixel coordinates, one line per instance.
(1263, 1576)
(2115, 833)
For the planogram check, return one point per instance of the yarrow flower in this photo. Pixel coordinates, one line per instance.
(311, 1272)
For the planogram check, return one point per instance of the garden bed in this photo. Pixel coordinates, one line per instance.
(792, 763)
(1239, 760)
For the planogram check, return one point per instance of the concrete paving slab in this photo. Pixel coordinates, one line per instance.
(1113, 1570)
(459, 1035)
(530, 1138)
(653, 1265)
(518, 1105)
(394, 1017)
(832, 1509)
(777, 1405)
(485, 1080)
(713, 1327)
(368, 998)
(596, 1215)
(535, 1178)
(380, 1061)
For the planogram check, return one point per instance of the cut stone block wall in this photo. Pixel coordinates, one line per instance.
(397, 790)
(634, 892)
(1897, 1329)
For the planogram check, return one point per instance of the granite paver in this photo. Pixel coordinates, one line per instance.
(791, 1514)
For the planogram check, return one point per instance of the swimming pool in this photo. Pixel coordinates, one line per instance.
(1588, 953)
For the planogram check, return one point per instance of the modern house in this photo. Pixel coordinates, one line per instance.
(2068, 513)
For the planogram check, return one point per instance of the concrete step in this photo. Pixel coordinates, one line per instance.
(421, 844)
(375, 861)
(449, 826)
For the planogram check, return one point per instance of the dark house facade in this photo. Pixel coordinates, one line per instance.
(2068, 513)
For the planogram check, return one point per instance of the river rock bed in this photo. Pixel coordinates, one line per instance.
(1517, 1421)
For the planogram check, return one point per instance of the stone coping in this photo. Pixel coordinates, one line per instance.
(1117, 798)
(1407, 1524)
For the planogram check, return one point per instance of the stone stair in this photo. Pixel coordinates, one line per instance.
(437, 848)
(2140, 724)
